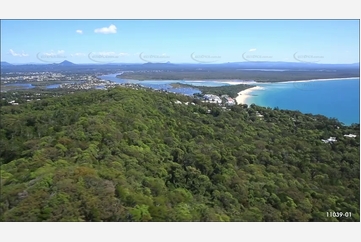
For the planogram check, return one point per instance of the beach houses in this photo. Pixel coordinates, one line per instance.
(212, 98)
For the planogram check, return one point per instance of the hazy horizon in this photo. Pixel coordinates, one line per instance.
(178, 63)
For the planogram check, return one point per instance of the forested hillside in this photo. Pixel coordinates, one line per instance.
(136, 155)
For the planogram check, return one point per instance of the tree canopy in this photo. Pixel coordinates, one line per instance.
(136, 155)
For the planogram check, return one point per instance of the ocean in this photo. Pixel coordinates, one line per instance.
(339, 98)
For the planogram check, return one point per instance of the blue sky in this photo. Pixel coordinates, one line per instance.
(179, 41)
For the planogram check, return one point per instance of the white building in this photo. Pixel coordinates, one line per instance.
(331, 139)
(212, 98)
(350, 135)
(230, 101)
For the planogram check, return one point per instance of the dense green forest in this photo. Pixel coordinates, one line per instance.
(136, 155)
(238, 74)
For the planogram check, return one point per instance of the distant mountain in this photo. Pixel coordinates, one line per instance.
(4, 63)
(66, 63)
(152, 65)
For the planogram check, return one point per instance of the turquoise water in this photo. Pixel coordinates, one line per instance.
(338, 99)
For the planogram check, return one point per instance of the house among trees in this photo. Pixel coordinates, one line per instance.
(331, 139)
(229, 101)
(259, 115)
(350, 135)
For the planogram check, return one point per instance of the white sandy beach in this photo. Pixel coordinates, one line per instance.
(238, 82)
(243, 95)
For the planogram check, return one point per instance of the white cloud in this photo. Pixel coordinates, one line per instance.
(52, 53)
(79, 31)
(252, 50)
(13, 53)
(112, 29)
(78, 54)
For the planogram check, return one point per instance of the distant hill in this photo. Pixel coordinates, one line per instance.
(4, 63)
(66, 63)
(153, 66)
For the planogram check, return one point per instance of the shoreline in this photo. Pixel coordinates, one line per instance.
(245, 94)
(239, 81)
(316, 80)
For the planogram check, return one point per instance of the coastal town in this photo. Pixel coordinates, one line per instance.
(39, 82)
(41, 76)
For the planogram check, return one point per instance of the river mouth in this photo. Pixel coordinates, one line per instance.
(168, 85)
